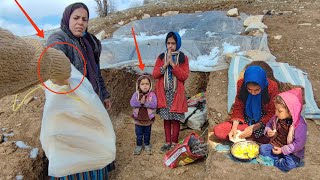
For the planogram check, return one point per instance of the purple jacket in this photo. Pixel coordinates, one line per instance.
(151, 104)
(297, 135)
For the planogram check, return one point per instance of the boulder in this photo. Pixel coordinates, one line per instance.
(233, 12)
(170, 13)
(252, 19)
(101, 35)
(145, 16)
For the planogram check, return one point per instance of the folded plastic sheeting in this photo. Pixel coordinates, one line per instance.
(205, 37)
(76, 130)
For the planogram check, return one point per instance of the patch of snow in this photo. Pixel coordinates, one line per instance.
(34, 153)
(22, 145)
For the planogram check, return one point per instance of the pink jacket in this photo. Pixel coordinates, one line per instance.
(297, 135)
(151, 104)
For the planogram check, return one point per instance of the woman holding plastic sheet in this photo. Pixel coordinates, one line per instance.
(171, 71)
(252, 109)
(73, 30)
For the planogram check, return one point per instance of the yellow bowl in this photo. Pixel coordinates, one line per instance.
(245, 150)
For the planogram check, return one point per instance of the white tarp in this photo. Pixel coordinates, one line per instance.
(206, 36)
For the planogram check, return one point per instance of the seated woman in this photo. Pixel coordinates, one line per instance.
(252, 109)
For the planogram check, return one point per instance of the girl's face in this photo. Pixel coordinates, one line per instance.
(78, 22)
(144, 85)
(253, 89)
(281, 112)
(171, 44)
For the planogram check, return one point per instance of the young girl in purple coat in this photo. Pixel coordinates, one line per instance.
(144, 103)
(287, 130)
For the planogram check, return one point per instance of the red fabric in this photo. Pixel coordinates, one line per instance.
(174, 127)
(222, 130)
(181, 71)
(269, 109)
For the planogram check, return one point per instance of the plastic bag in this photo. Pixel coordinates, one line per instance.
(76, 131)
(189, 150)
(198, 119)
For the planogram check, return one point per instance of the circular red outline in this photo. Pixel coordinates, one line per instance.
(84, 67)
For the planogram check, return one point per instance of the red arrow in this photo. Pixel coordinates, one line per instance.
(141, 65)
(40, 32)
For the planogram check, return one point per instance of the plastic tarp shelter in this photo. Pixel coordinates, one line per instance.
(206, 37)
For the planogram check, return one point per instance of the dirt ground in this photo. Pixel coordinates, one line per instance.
(299, 46)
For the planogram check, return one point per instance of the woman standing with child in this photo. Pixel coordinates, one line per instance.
(171, 70)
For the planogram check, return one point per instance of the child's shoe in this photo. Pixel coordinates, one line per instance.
(173, 145)
(165, 148)
(148, 149)
(137, 150)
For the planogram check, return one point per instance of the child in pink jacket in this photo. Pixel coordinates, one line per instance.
(287, 130)
(144, 103)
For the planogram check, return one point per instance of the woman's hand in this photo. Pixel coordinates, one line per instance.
(233, 132)
(171, 63)
(276, 150)
(166, 64)
(247, 132)
(107, 103)
(169, 58)
(271, 133)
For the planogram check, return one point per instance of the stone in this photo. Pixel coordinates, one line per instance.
(134, 18)
(256, 33)
(101, 35)
(256, 26)
(305, 24)
(121, 23)
(269, 12)
(252, 19)
(287, 12)
(170, 13)
(277, 37)
(233, 12)
(145, 16)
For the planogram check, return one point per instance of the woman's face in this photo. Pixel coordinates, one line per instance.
(171, 44)
(78, 22)
(253, 89)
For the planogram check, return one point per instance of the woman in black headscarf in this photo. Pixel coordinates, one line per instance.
(73, 30)
(74, 24)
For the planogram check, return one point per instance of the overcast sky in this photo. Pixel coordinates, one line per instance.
(46, 14)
